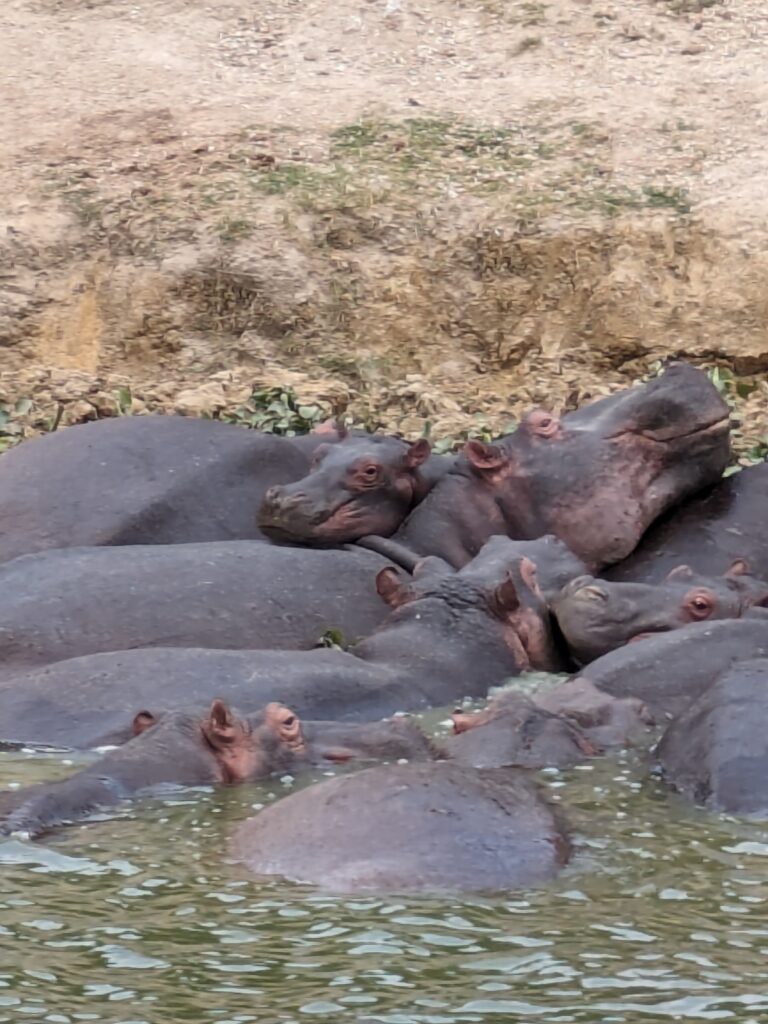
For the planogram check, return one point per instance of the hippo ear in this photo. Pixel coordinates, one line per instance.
(505, 598)
(680, 572)
(529, 577)
(332, 428)
(391, 588)
(220, 725)
(142, 721)
(485, 456)
(739, 567)
(417, 453)
(461, 721)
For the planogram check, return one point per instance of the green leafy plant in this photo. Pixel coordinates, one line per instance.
(333, 639)
(731, 387)
(277, 411)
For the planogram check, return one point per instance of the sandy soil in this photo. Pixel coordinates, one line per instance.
(440, 209)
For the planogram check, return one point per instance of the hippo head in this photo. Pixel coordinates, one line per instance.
(597, 616)
(512, 730)
(500, 584)
(601, 475)
(362, 485)
(243, 747)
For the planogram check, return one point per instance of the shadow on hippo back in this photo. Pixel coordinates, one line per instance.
(359, 486)
(597, 478)
(222, 746)
(597, 616)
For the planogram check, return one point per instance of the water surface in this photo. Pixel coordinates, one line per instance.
(138, 919)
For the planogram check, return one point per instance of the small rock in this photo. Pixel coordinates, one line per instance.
(208, 398)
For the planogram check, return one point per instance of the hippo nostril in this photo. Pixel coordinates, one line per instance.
(272, 495)
(593, 593)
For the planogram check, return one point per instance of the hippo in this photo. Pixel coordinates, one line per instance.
(515, 732)
(667, 671)
(556, 727)
(449, 635)
(195, 748)
(425, 827)
(170, 480)
(715, 753)
(367, 485)
(597, 479)
(597, 616)
(231, 595)
(726, 522)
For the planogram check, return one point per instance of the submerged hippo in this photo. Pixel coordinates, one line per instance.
(597, 479)
(418, 827)
(201, 749)
(192, 748)
(597, 616)
(232, 595)
(726, 522)
(449, 635)
(175, 479)
(715, 752)
(556, 727)
(668, 671)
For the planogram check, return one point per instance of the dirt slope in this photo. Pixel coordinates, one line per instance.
(440, 209)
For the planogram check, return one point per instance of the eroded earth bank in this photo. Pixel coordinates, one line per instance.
(441, 210)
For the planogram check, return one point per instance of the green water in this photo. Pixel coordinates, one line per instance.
(138, 919)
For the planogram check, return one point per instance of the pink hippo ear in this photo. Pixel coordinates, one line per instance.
(739, 567)
(391, 588)
(417, 453)
(680, 572)
(331, 427)
(505, 598)
(220, 727)
(530, 577)
(485, 456)
(142, 721)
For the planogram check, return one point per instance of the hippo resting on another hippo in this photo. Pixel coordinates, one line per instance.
(556, 727)
(418, 827)
(450, 635)
(193, 749)
(231, 595)
(597, 616)
(727, 522)
(716, 751)
(667, 671)
(597, 479)
(174, 479)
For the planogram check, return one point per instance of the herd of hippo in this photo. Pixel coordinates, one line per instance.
(170, 588)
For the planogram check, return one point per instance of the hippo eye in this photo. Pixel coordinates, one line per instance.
(370, 472)
(700, 605)
(289, 721)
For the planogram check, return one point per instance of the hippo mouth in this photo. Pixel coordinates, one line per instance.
(713, 427)
(346, 522)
